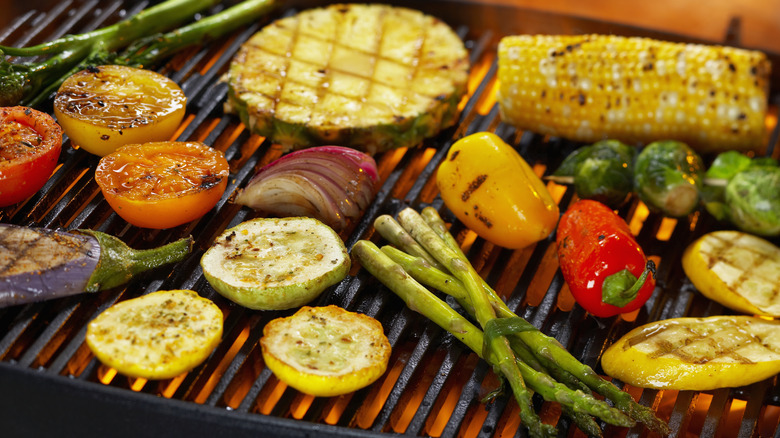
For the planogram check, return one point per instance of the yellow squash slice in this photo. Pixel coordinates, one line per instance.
(739, 270)
(326, 351)
(696, 354)
(156, 336)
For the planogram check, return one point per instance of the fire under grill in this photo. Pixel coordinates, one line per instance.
(51, 383)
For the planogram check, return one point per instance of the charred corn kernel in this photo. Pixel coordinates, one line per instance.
(638, 90)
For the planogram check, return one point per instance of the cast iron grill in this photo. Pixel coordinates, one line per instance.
(50, 382)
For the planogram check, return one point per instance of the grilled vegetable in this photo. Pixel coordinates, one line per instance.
(140, 37)
(163, 184)
(668, 177)
(275, 263)
(738, 270)
(605, 268)
(30, 145)
(744, 191)
(603, 171)
(39, 264)
(330, 183)
(326, 351)
(753, 200)
(104, 107)
(637, 90)
(696, 354)
(542, 363)
(494, 192)
(371, 77)
(156, 336)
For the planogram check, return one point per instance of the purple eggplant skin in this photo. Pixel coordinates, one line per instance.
(40, 264)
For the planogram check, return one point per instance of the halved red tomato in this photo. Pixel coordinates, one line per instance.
(30, 145)
(162, 184)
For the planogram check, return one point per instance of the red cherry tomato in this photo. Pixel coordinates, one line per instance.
(30, 145)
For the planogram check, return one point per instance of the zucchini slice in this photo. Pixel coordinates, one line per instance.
(275, 264)
(696, 354)
(368, 76)
(156, 336)
(326, 351)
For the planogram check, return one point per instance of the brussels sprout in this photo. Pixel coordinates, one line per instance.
(753, 200)
(602, 171)
(668, 177)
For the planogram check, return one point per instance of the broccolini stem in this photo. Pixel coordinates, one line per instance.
(151, 20)
(150, 50)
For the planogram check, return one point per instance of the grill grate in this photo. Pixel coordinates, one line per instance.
(433, 384)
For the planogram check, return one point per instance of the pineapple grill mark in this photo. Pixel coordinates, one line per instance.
(323, 87)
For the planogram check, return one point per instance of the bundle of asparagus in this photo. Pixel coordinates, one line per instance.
(424, 255)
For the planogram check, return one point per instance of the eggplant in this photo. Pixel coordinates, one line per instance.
(38, 264)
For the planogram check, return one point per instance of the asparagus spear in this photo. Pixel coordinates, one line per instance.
(483, 312)
(417, 297)
(547, 349)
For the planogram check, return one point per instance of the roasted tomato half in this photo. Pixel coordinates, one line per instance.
(30, 145)
(102, 108)
(162, 184)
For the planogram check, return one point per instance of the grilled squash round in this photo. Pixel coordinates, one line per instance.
(326, 351)
(156, 336)
(736, 269)
(370, 77)
(696, 354)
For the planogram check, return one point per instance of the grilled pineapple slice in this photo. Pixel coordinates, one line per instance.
(371, 77)
(696, 354)
(736, 269)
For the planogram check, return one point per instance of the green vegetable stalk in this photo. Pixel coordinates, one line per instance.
(30, 83)
(544, 364)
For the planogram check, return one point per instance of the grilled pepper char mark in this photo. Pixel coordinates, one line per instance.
(604, 266)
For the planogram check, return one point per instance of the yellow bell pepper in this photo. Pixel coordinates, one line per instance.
(495, 193)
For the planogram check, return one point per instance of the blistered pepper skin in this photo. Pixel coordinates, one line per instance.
(495, 193)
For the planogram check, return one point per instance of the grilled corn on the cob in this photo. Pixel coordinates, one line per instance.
(590, 87)
(372, 77)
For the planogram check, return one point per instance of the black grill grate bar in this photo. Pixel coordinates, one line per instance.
(41, 22)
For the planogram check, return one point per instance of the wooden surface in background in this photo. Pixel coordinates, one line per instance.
(706, 19)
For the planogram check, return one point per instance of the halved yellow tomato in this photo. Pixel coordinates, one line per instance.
(162, 184)
(102, 108)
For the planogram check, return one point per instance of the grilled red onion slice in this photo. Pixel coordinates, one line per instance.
(331, 183)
